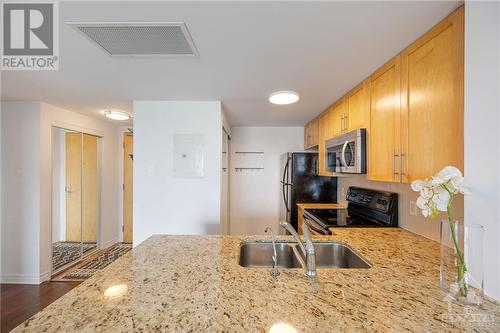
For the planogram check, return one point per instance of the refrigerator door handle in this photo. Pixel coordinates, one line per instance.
(285, 170)
(285, 199)
(285, 184)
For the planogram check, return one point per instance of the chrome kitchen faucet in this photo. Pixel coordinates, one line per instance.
(274, 272)
(308, 250)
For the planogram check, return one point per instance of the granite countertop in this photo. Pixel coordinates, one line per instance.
(194, 283)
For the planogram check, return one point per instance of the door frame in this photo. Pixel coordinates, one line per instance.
(122, 130)
(100, 138)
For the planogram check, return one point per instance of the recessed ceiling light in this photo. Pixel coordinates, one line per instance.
(284, 97)
(116, 115)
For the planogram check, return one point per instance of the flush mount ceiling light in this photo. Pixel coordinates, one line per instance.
(284, 97)
(116, 115)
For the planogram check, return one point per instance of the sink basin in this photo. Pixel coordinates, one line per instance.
(337, 255)
(328, 255)
(259, 254)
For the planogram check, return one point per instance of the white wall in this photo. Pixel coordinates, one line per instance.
(20, 242)
(255, 195)
(27, 179)
(482, 138)
(164, 204)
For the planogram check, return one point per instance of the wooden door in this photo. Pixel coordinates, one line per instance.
(432, 90)
(90, 190)
(73, 168)
(358, 107)
(384, 138)
(128, 167)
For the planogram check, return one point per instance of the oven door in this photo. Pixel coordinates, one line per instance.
(314, 227)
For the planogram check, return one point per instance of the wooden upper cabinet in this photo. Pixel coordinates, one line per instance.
(357, 107)
(311, 133)
(324, 134)
(413, 108)
(384, 136)
(432, 73)
(337, 113)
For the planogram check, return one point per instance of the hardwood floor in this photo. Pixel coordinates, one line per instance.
(21, 301)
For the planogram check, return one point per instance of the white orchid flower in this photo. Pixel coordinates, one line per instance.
(421, 203)
(417, 185)
(460, 185)
(448, 173)
(437, 193)
(441, 199)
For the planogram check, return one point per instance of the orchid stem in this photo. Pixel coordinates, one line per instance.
(461, 268)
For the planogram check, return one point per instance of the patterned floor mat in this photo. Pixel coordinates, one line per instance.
(64, 253)
(98, 263)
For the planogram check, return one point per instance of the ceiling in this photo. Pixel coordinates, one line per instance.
(246, 51)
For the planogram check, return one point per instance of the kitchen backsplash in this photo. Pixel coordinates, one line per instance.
(414, 223)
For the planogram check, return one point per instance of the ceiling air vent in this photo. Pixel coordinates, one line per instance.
(140, 39)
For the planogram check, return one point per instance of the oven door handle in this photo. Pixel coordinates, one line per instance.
(342, 156)
(314, 227)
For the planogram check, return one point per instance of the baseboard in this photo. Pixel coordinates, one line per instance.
(45, 276)
(21, 279)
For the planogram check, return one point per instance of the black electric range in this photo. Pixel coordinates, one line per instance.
(365, 208)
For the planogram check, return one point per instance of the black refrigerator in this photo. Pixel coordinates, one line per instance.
(300, 183)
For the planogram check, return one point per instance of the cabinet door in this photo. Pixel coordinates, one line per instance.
(358, 106)
(324, 132)
(311, 133)
(432, 103)
(384, 138)
(307, 135)
(337, 112)
(315, 131)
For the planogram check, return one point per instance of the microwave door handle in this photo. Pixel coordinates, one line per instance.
(342, 156)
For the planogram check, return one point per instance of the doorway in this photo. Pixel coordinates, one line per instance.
(75, 197)
(128, 183)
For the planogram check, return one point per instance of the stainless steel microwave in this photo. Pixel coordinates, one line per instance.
(347, 153)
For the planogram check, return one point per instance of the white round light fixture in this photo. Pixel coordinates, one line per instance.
(284, 97)
(117, 115)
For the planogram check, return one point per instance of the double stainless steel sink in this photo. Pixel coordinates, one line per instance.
(328, 255)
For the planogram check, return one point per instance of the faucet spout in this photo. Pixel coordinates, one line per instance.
(308, 251)
(274, 272)
(295, 235)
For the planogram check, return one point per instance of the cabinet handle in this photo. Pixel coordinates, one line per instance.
(401, 165)
(394, 155)
(345, 123)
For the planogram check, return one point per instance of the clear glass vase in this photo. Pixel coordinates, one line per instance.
(461, 270)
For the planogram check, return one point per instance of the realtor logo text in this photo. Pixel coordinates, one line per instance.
(30, 36)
